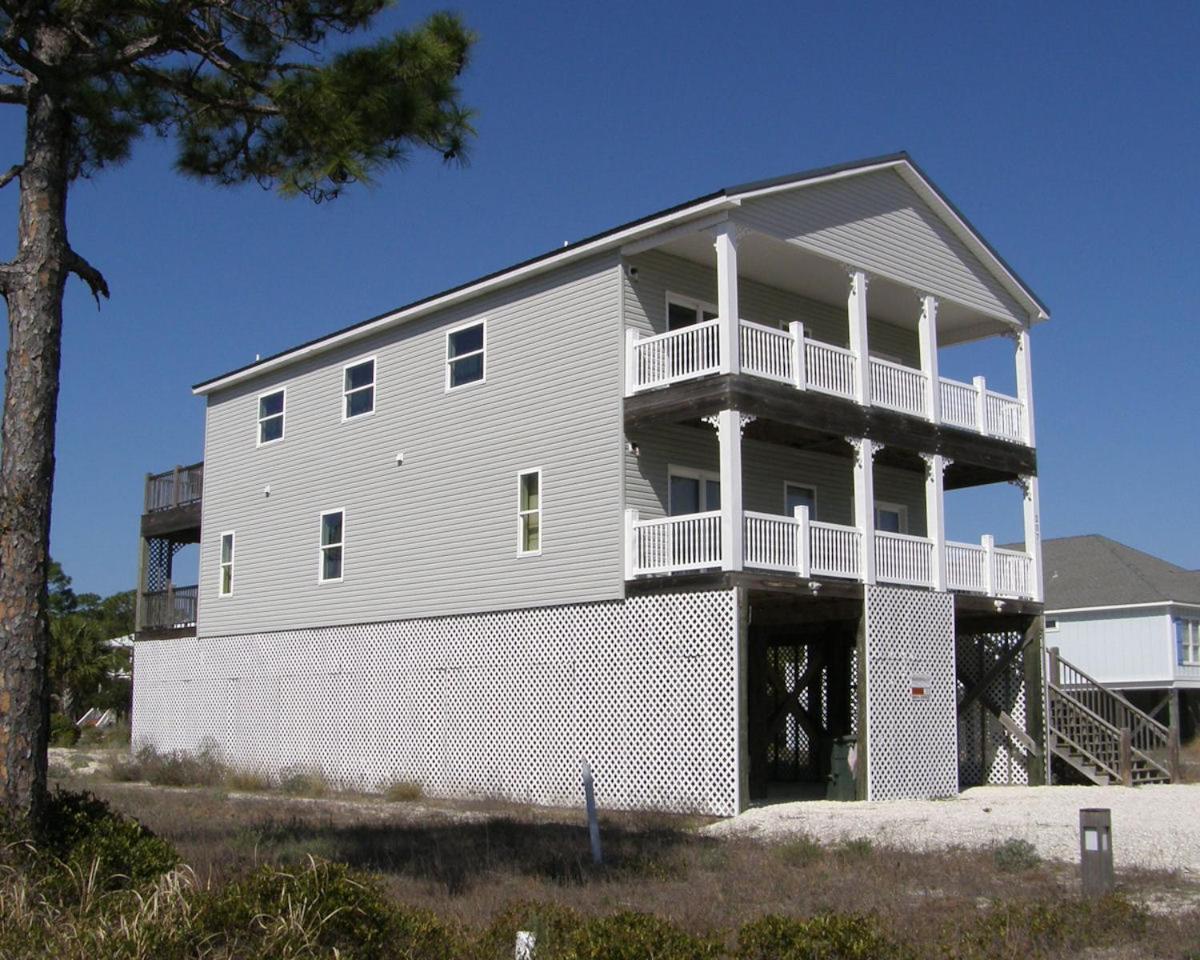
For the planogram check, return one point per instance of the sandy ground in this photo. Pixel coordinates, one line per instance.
(1152, 826)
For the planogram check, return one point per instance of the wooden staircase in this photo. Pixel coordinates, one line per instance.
(1100, 734)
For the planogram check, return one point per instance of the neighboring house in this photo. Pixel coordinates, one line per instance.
(1128, 619)
(669, 500)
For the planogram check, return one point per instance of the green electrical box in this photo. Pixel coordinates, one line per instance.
(841, 769)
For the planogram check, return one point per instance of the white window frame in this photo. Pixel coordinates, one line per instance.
(1191, 641)
(374, 387)
(812, 487)
(222, 564)
(899, 508)
(282, 415)
(679, 300)
(1049, 621)
(521, 514)
(322, 547)
(691, 473)
(482, 352)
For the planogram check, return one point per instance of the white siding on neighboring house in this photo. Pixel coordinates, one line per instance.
(659, 274)
(765, 469)
(436, 535)
(1186, 674)
(1129, 647)
(878, 222)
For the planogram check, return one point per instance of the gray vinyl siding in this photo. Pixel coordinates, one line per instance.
(660, 273)
(436, 535)
(878, 222)
(765, 469)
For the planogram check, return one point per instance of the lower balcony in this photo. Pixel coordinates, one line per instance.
(808, 549)
(167, 613)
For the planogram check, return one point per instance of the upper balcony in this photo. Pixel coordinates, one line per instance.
(789, 356)
(172, 501)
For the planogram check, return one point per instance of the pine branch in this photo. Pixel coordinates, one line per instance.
(13, 172)
(89, 275)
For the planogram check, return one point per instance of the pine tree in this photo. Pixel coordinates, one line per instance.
(250, 92)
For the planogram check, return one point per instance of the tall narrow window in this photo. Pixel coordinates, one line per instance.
(270, 417)
(226, 575)
(358, 389)
(692, 491)
(333, 535)
(465, 348)
(529, 512)
(891, 517)
(685, 312)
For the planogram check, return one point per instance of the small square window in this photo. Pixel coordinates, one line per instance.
(270, 417)
(358, 389)
(225, 582)
(529, 512)
(465, 351)
(333, 535)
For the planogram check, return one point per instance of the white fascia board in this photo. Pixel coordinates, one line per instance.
(1124, 606)
(569, 255)
(947, 213)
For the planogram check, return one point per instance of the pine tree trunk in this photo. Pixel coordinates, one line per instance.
(34, 286)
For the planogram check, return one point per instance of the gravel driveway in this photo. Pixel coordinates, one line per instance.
(1153, 826)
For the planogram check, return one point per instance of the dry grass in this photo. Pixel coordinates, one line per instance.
(469, 862)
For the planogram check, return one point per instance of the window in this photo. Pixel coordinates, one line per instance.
(891, 517)
(465, 349)
(529, 512)
(1187, 641)
(225, 580)
(1051, 625)
(692, 491)
(358, 389)
(270, 417)
(800, 495)
(333, 536)
(685, 312)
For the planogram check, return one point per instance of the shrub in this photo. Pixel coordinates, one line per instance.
(249, 781)
(827, 936)
(63, 733)
(1049, 928)
(636, 936)
(1015, 855)
(178, 768)
(858, 847)
(799, 851)
(303, 783)
(552, 925)
(402, 791)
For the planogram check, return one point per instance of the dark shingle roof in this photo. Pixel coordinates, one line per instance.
(1094, 571)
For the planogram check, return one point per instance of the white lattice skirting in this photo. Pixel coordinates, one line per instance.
(987, 753)
(503, 704)
(912, 741)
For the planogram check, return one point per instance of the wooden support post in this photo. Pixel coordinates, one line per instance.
(1033, 535)
(146, 496)
(864, 502)
(935, 515)
(1025, 384)
(729, 436)
(1055, 667)
(862, 789)
(857, 310)
(139, 610)
(631, 362)
(631, 551)
(175, 486)
(799, 374)
(1033, 657)
(1126, 762)
(741, 609)
(981, 404)
(927, 331)
(1173, 735)
(989, 564)
(727, 298)
(803, 542)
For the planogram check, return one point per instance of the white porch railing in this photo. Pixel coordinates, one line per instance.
(898, 387)
(810, 548)
(901, 558)
(775, 354)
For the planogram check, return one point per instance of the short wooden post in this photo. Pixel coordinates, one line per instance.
(175, 486)
(1126, 762)
(589, 797)
(803, 542)
(1055, 667)
(989, 564)
(1095, 851)
(631, 551)
(631, 362)
(149, 482)
(981, 404)
(1173, 736)
(799, 374)
(170, 611)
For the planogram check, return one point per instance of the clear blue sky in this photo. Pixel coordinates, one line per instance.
(1068, 132)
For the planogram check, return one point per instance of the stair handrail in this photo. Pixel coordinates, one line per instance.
(1108, 728)
(1160, 731)
(1085, 752)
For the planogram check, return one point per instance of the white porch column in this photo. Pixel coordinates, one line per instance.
(927, 331)
(1025, 383)
(727, 297)
(729, 435)
(857, 310)
(1033, 534)
(864, 501)
(935, 514)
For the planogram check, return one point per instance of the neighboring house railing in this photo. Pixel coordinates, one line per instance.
(168, 609)
(179, 487)
(789, 356)
(808, 548)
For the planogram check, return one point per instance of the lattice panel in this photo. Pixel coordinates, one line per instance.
(911, 740)
(504, 704)
(987, 753)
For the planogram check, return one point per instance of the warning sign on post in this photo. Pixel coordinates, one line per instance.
(920, 685)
